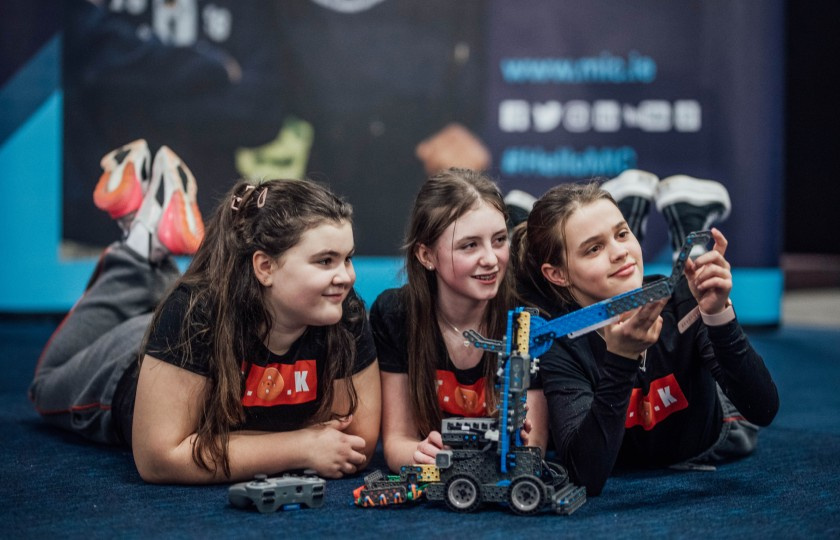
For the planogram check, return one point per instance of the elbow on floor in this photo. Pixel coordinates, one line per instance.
(594, 486)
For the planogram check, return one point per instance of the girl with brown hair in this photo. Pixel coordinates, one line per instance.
(257, 355)
(673, 383)
(456, 262)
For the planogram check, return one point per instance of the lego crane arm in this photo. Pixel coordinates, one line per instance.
(607, 311)
(597, 315)
(528, 336)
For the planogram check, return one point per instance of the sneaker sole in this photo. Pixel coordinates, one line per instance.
(686, 189)
(119, 190)
(123, 200)
(520, 199)
(632, 183)
(176, 231)
(181, 228)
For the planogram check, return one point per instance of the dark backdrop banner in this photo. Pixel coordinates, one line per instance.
(343, 90)
(588, 89)
(338, 90)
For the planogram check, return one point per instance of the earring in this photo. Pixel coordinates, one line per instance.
(431, 267)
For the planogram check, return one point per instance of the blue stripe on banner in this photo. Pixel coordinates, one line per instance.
(31, 86)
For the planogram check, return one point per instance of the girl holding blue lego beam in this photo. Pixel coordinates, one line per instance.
(673, 383)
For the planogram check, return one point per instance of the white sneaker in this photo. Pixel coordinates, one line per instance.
(632, 183)
(633, 191)
(690, 204)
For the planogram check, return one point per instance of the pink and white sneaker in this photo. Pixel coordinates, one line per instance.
(121, 187)
(172, 225)
(181, 228)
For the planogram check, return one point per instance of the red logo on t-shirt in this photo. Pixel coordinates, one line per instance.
(664, 398)
(281, 384)
(460, 399)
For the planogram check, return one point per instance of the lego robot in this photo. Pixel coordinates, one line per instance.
(486, 460)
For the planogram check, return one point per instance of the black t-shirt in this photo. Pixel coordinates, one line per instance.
(606, 409)
(461, 392)
(279, 392)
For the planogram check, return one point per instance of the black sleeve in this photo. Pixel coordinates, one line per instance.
(587, 409)
(164, 337)
(365, 348)
(389, 333)
(740, 372)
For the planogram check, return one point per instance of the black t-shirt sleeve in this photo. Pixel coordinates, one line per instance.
(737, 367)
(587, 408)
(165, 336)
(387, 319)
(740, 371)
(365, 347)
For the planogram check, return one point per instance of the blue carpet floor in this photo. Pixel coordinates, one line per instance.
(55, 484)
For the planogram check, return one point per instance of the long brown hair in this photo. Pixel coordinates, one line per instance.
(442, 199)
(542, 239)
(227, 307)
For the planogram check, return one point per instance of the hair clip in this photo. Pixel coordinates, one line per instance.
(261, 198)
(237, 200)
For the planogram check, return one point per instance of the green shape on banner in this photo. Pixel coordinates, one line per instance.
(284, 157)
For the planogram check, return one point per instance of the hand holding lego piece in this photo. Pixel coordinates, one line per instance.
(710, 277)
(635, 331)
(428, 448)
(525, 431)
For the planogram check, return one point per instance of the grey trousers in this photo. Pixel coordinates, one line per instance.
(84, 360)
(738, 438)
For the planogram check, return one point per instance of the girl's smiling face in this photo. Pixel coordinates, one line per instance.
(603, 257)
(309, 282)
(471, 255)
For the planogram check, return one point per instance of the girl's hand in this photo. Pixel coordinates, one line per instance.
(428, 448)
(335, 453)
(635, 331)
(710, 277)
(525, 431)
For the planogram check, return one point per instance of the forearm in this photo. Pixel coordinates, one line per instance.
(367, 416)
(248, 454)
(742, 374)
(399, 450)
(588, 443)
(537, 417)
(400, 435)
